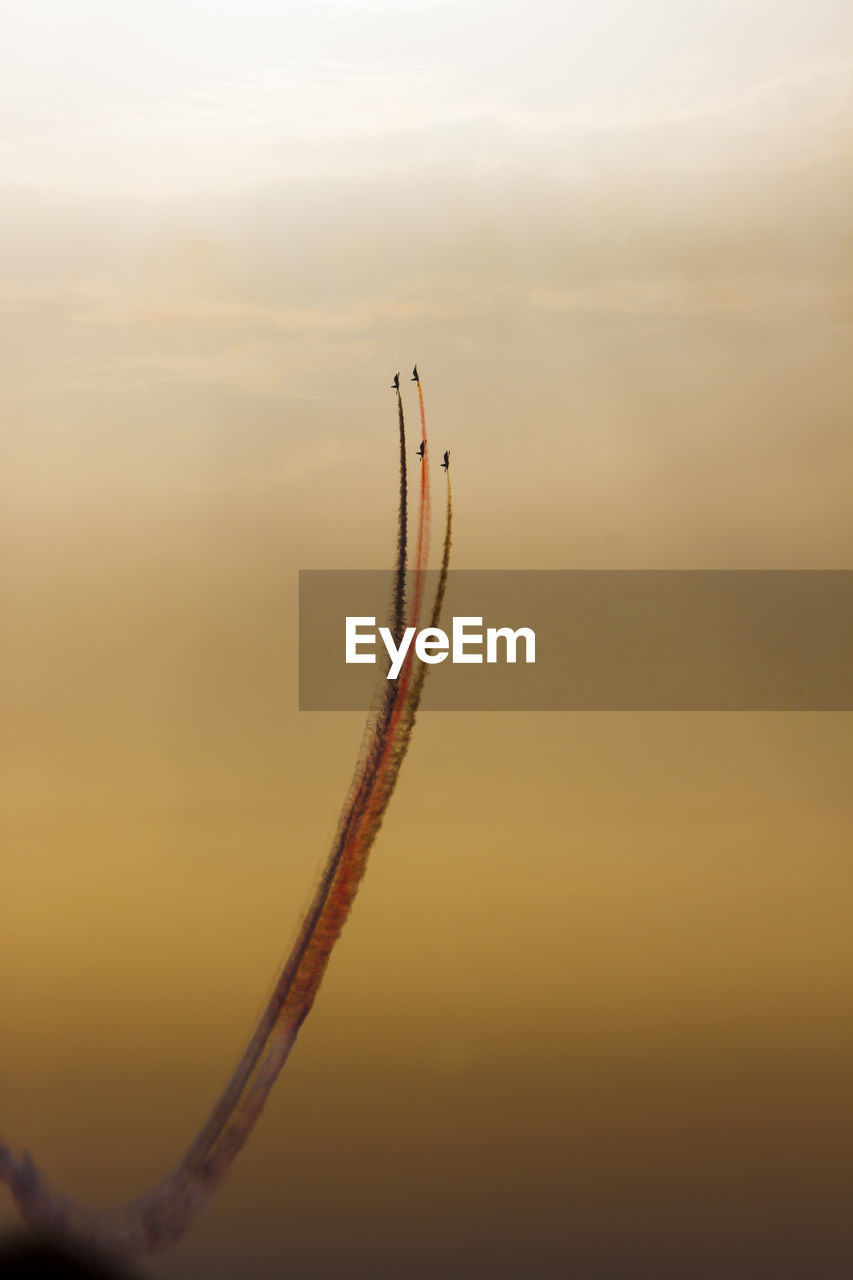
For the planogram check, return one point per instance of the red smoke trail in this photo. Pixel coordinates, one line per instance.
(402, 534)
(406, 709)
(421, 561)
(162, 1217)
(424, 517)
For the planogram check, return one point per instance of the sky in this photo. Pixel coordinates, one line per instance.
(592, 1003)
(104, 97)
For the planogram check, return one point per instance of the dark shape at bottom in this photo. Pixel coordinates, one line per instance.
(26, 1257)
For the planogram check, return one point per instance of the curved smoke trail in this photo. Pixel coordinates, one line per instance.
(405, 713)
(161, 1218)
(424, 516)
(402, 530)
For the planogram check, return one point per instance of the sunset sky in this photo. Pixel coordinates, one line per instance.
(592, 1006)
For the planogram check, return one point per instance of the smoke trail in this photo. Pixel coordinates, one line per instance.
(445, 566)
(400, 591)
(405, 712)
(230, 1123)
(243, 1100)
(161, 1217)
(424, 516)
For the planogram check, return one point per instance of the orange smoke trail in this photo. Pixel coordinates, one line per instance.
(402, 534)
(421, 561)
(424, 517)
(405, 711)
(160, 1218)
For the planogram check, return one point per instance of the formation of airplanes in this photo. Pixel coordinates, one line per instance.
(395, 386)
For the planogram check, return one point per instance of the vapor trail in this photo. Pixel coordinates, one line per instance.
(406, 711)
(400, 592)
(161, 1217)
(424, 517)
(410, 693)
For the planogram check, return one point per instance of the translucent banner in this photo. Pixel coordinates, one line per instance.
(575, 640)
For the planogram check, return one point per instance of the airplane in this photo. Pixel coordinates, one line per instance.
(421, 450)
(414, 377)
(446, 463)
(395, 385)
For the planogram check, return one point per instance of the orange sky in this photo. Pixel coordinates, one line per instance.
(592, 1007)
